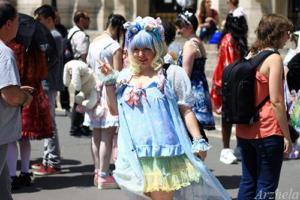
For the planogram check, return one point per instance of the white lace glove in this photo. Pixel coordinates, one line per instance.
(108, 74)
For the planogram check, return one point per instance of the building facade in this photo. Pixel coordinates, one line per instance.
(166, 9)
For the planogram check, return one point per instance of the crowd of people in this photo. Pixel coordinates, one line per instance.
(156, 103)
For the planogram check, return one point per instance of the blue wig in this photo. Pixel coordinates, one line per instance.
(145, 33)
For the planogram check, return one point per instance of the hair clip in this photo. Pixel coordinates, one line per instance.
(187, 13)
(185, 19)
(148, 24)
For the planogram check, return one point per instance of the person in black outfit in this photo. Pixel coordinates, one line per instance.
(80, 43)
(64, 96)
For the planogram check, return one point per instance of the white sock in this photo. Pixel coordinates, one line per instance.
(25, 150)
(12, 158)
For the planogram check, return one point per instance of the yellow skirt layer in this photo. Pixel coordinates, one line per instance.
(168, 173)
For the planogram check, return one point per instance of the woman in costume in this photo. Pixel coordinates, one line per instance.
(156, 158)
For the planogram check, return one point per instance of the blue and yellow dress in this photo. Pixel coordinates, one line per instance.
(154, 151)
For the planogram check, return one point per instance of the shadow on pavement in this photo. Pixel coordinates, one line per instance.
(230, 182)
(72, 175)
(63, 161)
(57, 182)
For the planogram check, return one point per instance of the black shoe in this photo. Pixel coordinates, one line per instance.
(25, 178)
(75, 133)
(85, 131)
(15, 183)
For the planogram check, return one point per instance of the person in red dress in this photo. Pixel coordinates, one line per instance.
(232, 46)
(36, 119)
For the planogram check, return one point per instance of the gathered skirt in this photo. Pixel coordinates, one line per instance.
(168, 173)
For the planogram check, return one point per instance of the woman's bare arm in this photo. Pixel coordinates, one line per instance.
(111, 99)
(276, 94)
(188, 57)
(192, 125)
(118, 60)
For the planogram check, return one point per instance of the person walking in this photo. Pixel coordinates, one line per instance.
(155, 156)
(105, 48)
(232, 46)
(12, 95)
(80, 44)
(64, 95)
(52, 155)
(192, 59)
(264, 142)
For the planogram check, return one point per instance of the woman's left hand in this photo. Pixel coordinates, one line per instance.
(201, 155)
(287, 145)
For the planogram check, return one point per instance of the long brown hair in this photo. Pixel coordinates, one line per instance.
(202, 12)
(270, 31)
(31, 62)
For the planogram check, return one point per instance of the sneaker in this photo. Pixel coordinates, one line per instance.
(37, 166)
(237, 153)
(25, 178)
(15, 183)
(107, 183)
(46, 170)
(227, 157)
(85, 131)
(76, 133)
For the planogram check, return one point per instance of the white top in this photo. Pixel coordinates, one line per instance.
(102, 49)
(80, 41)
(10, 117)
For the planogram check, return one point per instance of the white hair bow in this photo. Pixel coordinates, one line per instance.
(238, 12)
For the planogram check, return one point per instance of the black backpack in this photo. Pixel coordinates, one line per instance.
(293, 74)
(68, 51)
(238, 99)
(31, 31)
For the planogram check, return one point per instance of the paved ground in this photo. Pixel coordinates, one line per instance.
(76, 180)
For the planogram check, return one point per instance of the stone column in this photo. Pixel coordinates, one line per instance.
(141, 8)
(90, 6)
(66, 10)
(255, 9)
(124, 8)
(106, 8)
(281, 7)
(28, 7)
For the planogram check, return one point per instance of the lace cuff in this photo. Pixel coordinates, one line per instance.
(200, 144)
(111, 79)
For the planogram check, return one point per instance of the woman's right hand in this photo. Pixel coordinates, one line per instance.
(287, 145)
(109, 75)
(105, 68)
